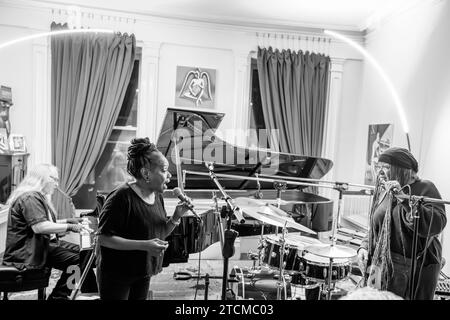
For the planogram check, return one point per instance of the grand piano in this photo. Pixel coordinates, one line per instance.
(188, 137)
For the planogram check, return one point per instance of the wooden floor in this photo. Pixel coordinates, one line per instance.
(164, 287)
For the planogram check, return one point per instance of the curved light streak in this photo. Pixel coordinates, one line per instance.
(53, 33)
(379, 69)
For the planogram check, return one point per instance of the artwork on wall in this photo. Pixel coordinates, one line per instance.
(380, 139)
(195, 87)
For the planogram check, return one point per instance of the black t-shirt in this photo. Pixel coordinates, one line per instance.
(24, 248)
(126, 215)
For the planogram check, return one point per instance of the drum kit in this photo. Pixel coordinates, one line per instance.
(295, 260)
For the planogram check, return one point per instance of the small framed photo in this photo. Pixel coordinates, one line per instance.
(17, 143)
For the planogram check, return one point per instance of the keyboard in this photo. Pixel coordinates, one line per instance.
(443, 288)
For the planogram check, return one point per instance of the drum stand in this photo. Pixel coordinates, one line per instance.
(281, 284)
(340, 187)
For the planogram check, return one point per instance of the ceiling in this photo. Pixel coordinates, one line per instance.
(338, 14)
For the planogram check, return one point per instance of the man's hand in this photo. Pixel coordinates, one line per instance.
(155, 247)
(75, 227)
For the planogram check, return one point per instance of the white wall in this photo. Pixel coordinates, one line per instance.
(413, 48)
(345, 137)
(166, 43)
(222, 60)
(15, 71)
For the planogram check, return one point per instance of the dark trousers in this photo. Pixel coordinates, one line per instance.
(61, 255)
(426, 278)
(119, 287)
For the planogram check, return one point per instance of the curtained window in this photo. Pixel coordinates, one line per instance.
(90, 76)
(294, 89)
(111, 169)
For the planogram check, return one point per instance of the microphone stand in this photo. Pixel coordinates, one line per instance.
(415, 203)
(230, 235)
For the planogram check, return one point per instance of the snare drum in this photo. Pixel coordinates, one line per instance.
(317, 268)
(293, 252)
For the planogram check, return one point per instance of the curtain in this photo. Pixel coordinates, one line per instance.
(294, 88)
(90, 75)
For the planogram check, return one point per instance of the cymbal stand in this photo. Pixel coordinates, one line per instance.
(258, 195)
(281, 284)
(340, 187)
(280, 186)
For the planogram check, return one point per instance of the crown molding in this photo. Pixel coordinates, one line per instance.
(213, 22)
(376, 21)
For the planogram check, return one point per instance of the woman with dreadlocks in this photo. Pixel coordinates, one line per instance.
(133, 225)
(388, 249)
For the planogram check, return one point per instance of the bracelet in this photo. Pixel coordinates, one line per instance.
(175, 223)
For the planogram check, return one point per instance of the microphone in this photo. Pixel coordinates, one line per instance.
(179, 194)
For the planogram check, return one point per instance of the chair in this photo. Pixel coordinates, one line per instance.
(15, 280)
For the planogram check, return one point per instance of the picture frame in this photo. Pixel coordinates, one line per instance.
(380, 139)
(17, 143)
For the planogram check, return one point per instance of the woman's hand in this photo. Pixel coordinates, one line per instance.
(393, 185)
(180, 210)
(363, 257)
(155, 247)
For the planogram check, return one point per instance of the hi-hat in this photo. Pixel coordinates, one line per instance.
(331, 251)
(268, 214)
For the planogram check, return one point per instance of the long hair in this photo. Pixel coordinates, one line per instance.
(381, 248)
(35, 180)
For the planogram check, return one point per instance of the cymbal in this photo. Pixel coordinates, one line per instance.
(268, 214)
(275, 202)
(331, 251)
(250, 202)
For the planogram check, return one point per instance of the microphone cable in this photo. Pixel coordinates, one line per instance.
(200, 225)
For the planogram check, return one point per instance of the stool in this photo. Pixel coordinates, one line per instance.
(15, 280)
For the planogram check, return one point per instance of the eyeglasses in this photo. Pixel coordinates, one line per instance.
(55, 179)
(384, 166)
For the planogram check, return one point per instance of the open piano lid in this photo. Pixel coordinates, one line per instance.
(199, 144)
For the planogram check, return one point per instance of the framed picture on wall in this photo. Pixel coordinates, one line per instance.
(379, 139)
(17, 143)
(195, 87)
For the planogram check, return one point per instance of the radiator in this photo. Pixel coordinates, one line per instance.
(356, 209)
